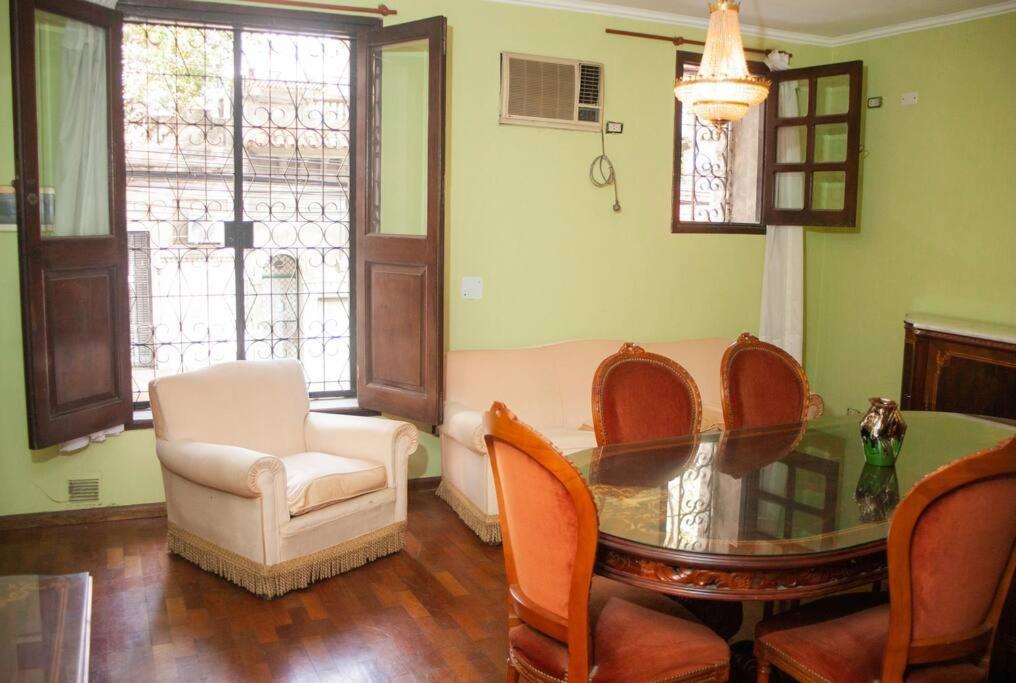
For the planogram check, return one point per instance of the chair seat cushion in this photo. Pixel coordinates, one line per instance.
(315, 480)
(842, 639)
(637, 636)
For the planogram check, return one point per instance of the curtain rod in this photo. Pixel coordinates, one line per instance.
(678, 40)
(382, 9)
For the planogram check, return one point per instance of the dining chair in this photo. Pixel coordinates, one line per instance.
(564, 623)
(641, 396)
(951, 552)
(761, 385)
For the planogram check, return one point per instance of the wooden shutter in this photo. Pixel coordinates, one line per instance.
(818, 186)
(73, 288)
(399, 216)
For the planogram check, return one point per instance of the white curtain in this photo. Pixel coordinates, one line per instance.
(782, 315)
(81, 181)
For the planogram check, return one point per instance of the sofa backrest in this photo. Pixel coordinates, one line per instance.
(261, 405)
(551, 385)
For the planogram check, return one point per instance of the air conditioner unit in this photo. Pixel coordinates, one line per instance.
(551, 92)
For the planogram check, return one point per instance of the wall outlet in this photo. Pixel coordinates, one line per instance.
(874, 102)
(615, 127)
(908, 99)
(472, 287)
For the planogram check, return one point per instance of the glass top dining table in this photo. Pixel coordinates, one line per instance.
(763, 512)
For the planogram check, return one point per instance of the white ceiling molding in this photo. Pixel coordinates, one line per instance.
(925, 24)
(623, 12)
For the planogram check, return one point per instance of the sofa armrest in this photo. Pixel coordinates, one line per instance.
(389, 442)
(816, 406)
(232, 469)
(465, 426)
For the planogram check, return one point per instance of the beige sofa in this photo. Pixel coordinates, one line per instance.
(550, 387)
(267, 494)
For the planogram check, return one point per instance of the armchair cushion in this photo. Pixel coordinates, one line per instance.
(315, 480)
(387, 442)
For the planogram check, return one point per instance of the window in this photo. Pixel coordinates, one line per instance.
(211, 204)
(791, 161)
(717, 171)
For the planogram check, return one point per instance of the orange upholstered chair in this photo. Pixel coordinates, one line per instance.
(564, 623)
(761, 385)
(640, 396)
(952, 551)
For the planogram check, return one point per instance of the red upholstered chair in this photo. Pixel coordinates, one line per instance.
(640, 396)
(952, 552)
(564, 623)
(761, 385)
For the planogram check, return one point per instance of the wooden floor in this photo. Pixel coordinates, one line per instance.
(434, 612)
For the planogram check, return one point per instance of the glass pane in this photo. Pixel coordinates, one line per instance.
(399, 121)
(793, 99)
(833, 95)
(771, 518)
(789, 191)
(719, 168)
(791, 144)
(805, 524)
(809, 488)
(70, 67)
(828, 190)
(831, 142)
(774, 479)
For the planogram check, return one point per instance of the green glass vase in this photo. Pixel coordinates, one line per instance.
(882, 432)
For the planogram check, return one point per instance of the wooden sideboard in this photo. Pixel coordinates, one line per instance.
(959, 366)
(966, 367)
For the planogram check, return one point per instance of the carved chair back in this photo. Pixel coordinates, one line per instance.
(549, 530)
(642, 396)
(761, 385)
(952, 552)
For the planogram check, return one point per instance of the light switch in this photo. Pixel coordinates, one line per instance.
(472, 287)
(908, 99)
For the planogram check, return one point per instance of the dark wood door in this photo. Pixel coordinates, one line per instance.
(400, 219)
(71, 227)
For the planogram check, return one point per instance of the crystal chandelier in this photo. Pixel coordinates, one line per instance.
(723, 89)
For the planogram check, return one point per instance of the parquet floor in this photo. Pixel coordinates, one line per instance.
(435, 612)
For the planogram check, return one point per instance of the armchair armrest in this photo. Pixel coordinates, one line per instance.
(389, 442)
(232, 469)
(465, 425)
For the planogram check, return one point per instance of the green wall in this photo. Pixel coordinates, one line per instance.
(557, 263)
(937, 229)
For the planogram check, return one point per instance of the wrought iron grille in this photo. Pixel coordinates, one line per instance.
(690, 503)
(224, 127)
(705, 165)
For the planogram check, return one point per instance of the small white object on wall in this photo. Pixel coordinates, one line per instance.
(908, 99)
(472, 287)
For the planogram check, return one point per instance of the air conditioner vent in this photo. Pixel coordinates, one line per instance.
(551, 92)
(83, 490)
(589, 84)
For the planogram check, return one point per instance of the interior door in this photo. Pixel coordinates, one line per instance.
(71, 227)
(400, 219)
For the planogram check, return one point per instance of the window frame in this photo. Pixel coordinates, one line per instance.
(850, 166)
(282, 20)
(698, 227)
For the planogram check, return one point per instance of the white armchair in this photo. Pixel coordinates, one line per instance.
(263, 492)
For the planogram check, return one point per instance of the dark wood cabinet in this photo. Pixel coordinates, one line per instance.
(965, 367)
(959, 366)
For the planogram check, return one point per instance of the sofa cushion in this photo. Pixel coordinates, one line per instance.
(315, 480)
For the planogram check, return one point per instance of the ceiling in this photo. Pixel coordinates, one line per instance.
(820, 21)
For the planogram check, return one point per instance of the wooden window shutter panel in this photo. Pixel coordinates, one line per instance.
(399, 269)
(812, 167)
(75, 310)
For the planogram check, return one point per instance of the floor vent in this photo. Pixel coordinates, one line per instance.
(83, 490)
